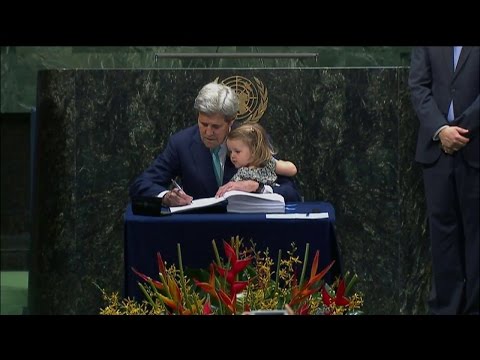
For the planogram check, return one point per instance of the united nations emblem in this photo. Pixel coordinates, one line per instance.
(253, 97)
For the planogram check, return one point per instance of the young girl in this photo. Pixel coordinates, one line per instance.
(252, 154)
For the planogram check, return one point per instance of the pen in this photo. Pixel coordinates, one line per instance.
(176, 185)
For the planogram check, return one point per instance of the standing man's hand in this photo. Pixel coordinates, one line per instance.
(452, 139)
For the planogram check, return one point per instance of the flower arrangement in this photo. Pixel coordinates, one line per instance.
(246, 282)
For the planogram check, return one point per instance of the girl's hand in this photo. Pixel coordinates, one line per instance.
(244, 185)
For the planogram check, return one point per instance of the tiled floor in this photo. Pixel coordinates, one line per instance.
(14, 292)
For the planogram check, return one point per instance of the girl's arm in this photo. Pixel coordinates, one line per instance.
(285, 168)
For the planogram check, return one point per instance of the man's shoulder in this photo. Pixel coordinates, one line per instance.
(186, 133)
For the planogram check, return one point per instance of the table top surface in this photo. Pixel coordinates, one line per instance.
(290, 208)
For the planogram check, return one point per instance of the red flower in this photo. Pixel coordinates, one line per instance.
(146, 278)
(236, 265)
(310, 287)
(210, 286)
(339, 299)
(207, 308)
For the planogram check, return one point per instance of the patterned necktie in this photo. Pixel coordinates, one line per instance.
(217, 165)
(456, 54)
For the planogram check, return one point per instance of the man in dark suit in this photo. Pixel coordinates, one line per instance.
(444, 84)
(190, 154)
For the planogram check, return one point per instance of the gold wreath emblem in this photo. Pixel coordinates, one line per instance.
(253, 97)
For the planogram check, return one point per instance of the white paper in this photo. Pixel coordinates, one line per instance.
(239, 202)
(197, 204)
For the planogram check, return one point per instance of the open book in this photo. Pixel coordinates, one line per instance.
(239, 202)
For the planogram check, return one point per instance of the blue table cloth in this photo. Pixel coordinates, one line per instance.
(147, 235)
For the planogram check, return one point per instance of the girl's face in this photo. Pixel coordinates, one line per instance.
(240, 153)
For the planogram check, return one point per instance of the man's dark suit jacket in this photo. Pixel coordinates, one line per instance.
(186, 156)
(433, 85)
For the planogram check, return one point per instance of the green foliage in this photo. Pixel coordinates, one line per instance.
(243, 282)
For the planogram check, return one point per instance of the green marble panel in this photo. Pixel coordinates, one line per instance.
(19, 64)
(350, 132)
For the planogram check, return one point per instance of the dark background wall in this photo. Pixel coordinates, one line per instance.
(361, 123)
(350, 132)
(19, 64)
(15, 194)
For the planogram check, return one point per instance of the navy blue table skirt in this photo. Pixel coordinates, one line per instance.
(146, 235)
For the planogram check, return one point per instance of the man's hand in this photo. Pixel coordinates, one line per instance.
(244, 185)
(176, 197)
(452, 139)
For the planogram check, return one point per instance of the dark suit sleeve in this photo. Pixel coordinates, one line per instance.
(469, 119)
(157, 177)
(287, 189)
(420, 83)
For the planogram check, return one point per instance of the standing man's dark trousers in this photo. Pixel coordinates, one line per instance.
(452, 193)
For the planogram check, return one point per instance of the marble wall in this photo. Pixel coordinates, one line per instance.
(19, 64)
(351, 133)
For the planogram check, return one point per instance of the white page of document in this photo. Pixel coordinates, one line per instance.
(197, 204)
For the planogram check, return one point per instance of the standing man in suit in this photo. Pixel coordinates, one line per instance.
(444, 84)
(198, 155)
